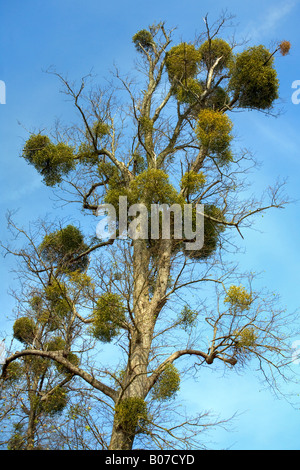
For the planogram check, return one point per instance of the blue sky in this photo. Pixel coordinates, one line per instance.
(78, 36)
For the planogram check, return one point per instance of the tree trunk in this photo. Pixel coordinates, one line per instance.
(136, 382)
(120, 440)
(31, 431)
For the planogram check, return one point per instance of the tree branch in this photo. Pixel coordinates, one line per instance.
(58, 357)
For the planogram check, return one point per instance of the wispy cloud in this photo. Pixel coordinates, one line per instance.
(18, 191)
(270, 19)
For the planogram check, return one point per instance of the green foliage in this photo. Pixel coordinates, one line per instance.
(80, 281)
(189, 92)
(87, 151)
(116, 187)
(99, 130)
(149, 187)
(238, 297)
(54, 304)
(132, 415)
(63, 247)
(108, 171)
(143, 40)
(182, 62)
(139, 164)
(14, 372)
(24, 330)
(146, 124)
(192, 182)
(212, 231)
(55, 344)
(187, 317)
(52, 161)
(36, 303)
(214, 49)
(55, 402)
(217, 99)
(49, 307)
(58, 307)
(36, 365)
(18, 440)
(168, 384)
(246, 338)
(214, 132)
(86, 154)
(153, 187)
(254, 79)
(58, 344)
(108, 317)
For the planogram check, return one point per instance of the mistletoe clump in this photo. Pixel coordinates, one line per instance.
(36, 303)
(192, 182)
(152, 186)
(189, 92)
(246, 338)
(213, 50)
(143, 41)
(132, 415)
(14, 372)
(86, 154)
(237, 296)
(50, 307)
(37, 365)
(66, 248)
(52, 161)
(168, 384)
(55, 344)
(99, 129)
(182, 62)
(58, 344)
(213, 227)
(214, 132)
(284, 47)
(17, 441)
(24, 330)
(254, 79)
(57, 306)
(108, 317)
(218, 100)
(55, 402)
(73, 359)
(187, 317)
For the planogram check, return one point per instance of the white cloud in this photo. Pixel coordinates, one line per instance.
(18, 191)
(270, 20)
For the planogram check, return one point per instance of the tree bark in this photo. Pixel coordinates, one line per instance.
(136, 382)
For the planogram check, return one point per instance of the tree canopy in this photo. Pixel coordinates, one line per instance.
(163, 309)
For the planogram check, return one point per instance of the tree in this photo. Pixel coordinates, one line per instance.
(172, 143)
(33, 394)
